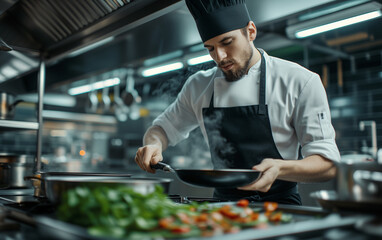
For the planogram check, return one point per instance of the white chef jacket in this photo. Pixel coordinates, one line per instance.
(297, 104)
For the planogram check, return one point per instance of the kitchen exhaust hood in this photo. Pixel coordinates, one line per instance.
(55, 28)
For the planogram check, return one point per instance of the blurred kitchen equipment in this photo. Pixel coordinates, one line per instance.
(4, 46)
(57, 185)
(7, 105)
(5, 175)
(373, 128)
(19, 167)
(121, 110)
(39, 179)
(220, 178)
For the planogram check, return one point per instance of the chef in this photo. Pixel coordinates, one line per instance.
(254, 110)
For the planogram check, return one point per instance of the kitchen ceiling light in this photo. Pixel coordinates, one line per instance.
(335, 20)
(94, 86)
(162, 69)
(162, 58)
(200, 59)
(337, 24)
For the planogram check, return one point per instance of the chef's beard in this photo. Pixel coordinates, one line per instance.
(232, 75)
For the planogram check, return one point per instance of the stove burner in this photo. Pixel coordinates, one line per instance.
(33, 207)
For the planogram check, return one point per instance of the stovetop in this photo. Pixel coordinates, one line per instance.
(34, 205)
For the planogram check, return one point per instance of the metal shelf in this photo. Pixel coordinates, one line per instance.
(10, 125)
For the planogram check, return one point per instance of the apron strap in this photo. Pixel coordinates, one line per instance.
(262, 107)
(212, 101)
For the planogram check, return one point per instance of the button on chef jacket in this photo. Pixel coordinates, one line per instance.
(297, 103)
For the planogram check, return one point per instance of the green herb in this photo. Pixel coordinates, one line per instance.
(117, 212)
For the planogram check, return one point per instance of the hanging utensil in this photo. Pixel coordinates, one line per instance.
(121, 111)
(92, 102)
(105, 100)
(130, 95)
(218, 178)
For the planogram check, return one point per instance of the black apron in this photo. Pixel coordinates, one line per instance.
(241, 137)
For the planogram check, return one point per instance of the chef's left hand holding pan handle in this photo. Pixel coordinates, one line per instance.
(155, 142)
(270, 170)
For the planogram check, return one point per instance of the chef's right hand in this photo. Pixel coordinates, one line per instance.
(148, 155)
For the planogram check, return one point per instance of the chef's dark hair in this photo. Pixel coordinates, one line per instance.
(215, 17)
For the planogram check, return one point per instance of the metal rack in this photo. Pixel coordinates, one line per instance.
(12, 125)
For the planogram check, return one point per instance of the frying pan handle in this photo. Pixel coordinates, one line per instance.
(162, 166)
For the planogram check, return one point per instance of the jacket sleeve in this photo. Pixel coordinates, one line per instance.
(312, 121)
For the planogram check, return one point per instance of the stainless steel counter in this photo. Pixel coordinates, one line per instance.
(310, 223)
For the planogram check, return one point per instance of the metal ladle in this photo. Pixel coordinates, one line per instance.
(106, 100)
(121, 110)
(92, 105)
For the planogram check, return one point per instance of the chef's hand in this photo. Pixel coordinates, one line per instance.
(270, 170)
(148, 155)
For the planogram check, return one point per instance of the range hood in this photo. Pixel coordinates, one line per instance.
(79, 41)
(55, 28)
(4, 46)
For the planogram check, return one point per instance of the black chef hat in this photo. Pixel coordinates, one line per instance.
(215, 17)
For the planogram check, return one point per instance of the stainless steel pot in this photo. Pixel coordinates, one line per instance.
(55, 186)
(19, 167)
(7, 105)
(352, 183)
(38, 180)
(369, 184)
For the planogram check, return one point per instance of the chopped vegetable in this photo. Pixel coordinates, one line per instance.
(123, 213)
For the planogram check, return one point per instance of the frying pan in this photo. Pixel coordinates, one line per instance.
(218, 178)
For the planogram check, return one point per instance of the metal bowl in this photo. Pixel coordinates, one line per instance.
(39, 179)
(55, 186)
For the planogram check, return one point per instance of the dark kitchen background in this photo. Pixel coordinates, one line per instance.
(85, 42)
